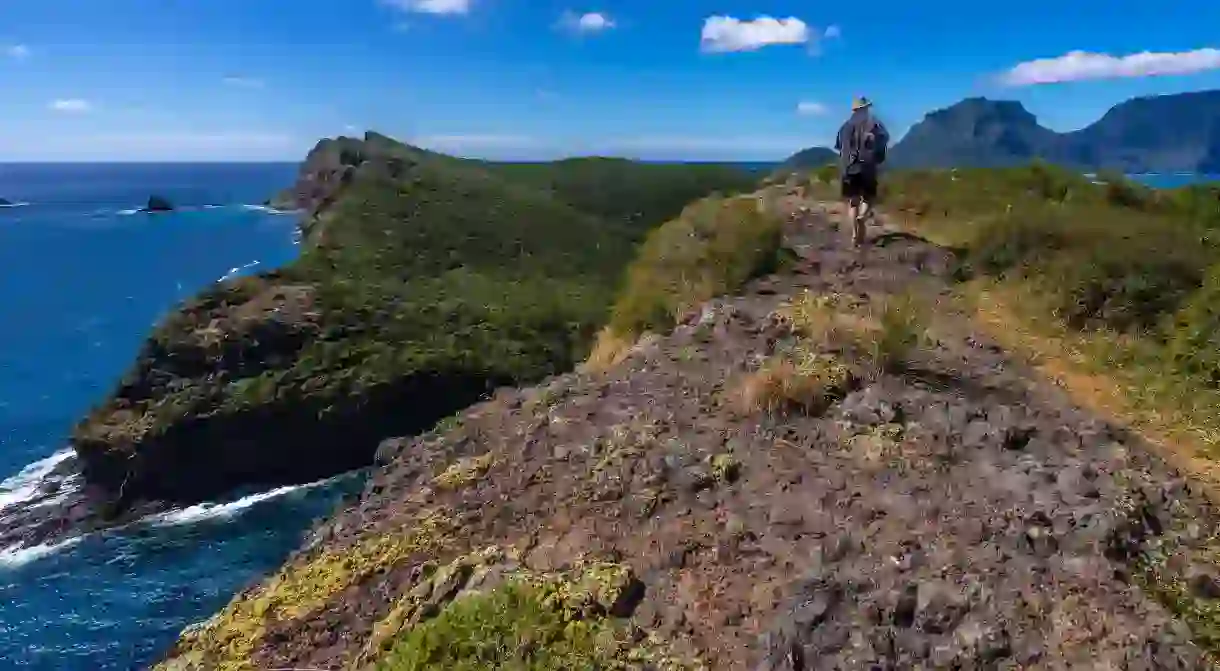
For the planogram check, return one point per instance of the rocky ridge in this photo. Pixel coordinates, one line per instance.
(946, 510)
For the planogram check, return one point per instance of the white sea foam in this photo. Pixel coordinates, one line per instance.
(233, 272)
(12, 205)
(211, 511)
(17, 556)
(267, 210)
(128, 213)
(24, 486)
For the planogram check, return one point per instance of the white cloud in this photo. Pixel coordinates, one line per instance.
(431, 6)
(725, 33)
(75, 105)
(811, 108)
(244, 82)
(591, 22)
(833, 32)
(1083, 65)
(17, 51)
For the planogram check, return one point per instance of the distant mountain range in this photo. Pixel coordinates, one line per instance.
(1170, 133)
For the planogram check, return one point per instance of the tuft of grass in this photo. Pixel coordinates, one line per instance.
(725, 467)
(464, 471)
(883, 333)
(609, 350)
(803, 381)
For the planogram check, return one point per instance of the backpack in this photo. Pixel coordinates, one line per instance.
(868, 149)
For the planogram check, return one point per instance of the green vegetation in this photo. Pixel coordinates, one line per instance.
(426, 281)
(638, 195)
(535, 622)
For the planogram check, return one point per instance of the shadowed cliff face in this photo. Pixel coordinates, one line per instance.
(425, 282)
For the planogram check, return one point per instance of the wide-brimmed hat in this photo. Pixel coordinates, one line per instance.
(860, 103)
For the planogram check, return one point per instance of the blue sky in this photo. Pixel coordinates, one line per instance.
(679, 79)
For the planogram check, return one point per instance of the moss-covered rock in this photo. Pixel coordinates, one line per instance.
(226, 642)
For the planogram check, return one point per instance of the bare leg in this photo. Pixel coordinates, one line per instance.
(853, 213)
(862, 213)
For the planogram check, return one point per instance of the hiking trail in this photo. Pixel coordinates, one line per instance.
(959, 513)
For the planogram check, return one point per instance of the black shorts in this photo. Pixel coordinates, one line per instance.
(860, 185)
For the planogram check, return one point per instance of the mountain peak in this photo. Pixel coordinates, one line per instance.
(1178, 132)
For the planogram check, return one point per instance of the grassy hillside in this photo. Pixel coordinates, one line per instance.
(636, 194)
(426, 281)
(710, 250)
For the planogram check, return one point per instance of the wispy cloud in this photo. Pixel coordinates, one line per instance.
(18, 52)
(727, 34)
(833, 32)
(811, 108)
(1083, 65)
(71, 105)
(431, 6)
(590, 22)
(244, 82)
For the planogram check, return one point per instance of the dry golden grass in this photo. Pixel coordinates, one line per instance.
(609, 350)
(802, 381)
(881, 333)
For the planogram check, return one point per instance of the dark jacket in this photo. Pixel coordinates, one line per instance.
(848, 143)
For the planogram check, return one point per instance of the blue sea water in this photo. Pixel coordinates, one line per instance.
(82, 281)
(83, 278)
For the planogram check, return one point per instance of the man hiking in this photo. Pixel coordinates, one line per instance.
(861, 144)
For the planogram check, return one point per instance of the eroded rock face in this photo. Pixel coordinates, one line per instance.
(148, 440)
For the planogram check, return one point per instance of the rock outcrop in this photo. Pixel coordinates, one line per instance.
(4, 202)
(157, 204)
(818, 473)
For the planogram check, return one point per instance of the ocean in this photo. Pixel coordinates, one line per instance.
(83, 279)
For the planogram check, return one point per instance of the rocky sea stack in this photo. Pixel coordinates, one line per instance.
(425, 283)
(158, 204)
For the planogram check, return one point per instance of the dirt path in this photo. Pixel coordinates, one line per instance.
(957, 515)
